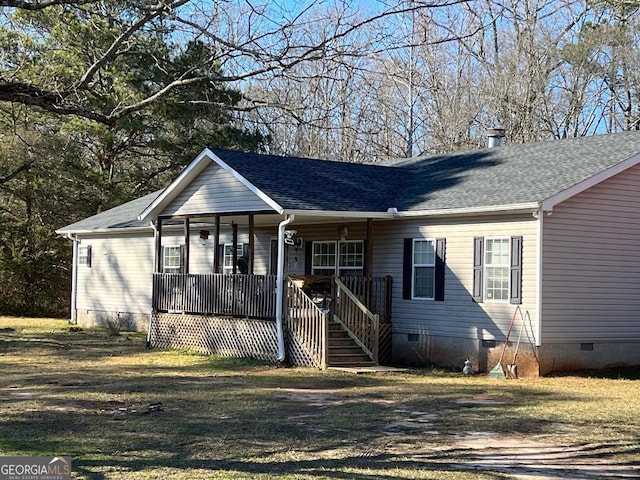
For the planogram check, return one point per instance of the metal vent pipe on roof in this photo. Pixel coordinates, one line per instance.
(494, 137)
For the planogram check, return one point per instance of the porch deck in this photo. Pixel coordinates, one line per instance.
(197, 311)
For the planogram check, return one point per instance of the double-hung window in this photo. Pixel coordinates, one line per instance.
(172, 259)
(84, 255)
(343, 258)
(227, 261)
(423, 269)
(497, 269)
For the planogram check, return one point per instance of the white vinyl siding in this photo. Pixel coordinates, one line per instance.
(591, 269)
(424, 269)
(458, 315)
(215, 190)
(119, 279)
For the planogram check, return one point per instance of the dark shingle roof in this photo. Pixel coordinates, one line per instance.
(122, 216)
(510, 175)
(308, 184)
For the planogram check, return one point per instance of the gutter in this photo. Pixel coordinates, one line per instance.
(280, 286)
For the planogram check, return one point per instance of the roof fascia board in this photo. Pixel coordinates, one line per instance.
(106, 230)
(338, 213)
(391, 214)
(492, 209)
(119, 230)
(548, 204)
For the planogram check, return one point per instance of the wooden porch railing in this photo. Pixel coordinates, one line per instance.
(252, 296)
(361, 324)
(374, 292)
(308, 323)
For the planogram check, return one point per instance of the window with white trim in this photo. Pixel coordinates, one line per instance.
(227, 262)
(344, 258)
(496, 269)
(84, 255)
(172, 259)
(424, 268)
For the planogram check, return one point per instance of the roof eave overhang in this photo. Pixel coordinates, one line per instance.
(189, 174)
(338, 213)
(106, 230)
(466, 211)
(393, 213)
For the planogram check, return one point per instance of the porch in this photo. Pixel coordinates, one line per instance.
(347, 322)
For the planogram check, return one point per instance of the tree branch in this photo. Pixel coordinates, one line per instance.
(41, 5)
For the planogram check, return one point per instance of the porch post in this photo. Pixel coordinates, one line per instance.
(216, 246)
(158, 262)
(368, 255)
(368, 259)
(251, 242)
(234, 254)
(186, 245)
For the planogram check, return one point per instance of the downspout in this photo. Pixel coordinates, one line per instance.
(539, 217)
(155, 268)
(74, 278)
(280, 285)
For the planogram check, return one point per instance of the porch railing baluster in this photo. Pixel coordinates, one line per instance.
(217, 294)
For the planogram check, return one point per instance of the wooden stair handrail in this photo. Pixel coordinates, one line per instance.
(372, 350)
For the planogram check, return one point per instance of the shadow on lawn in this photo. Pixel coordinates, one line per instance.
(218, 414)
(579, 462)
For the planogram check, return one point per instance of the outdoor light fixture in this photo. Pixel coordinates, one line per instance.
(204, 234)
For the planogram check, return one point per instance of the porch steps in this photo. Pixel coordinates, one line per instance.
(344, 351)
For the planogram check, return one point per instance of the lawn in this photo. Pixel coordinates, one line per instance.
(122, 411)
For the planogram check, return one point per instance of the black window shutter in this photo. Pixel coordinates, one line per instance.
(308, 257)
(407, 268)
(515, 285)
(478, 264)
(441, 247)
(89, 256)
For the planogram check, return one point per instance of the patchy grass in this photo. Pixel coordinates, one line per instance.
(122, 411)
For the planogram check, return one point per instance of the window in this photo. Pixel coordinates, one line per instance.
(424, 266)
(84, 255)
(346, 258)
(497, 269)
(227, 261)
(423, 269)
(350, 258)
(172, 259)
